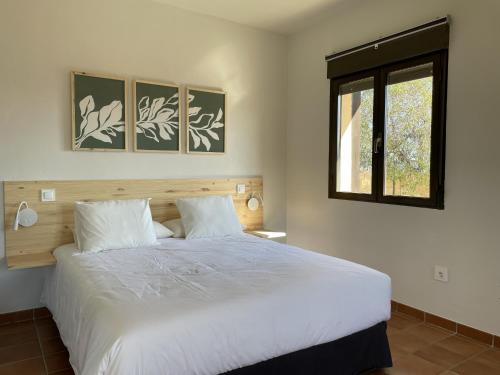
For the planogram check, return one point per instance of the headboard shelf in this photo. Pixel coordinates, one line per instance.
(33, 247)
(30, 260)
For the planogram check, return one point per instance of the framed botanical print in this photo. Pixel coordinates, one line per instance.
(157, 116)
(206, 121)
(99, 112)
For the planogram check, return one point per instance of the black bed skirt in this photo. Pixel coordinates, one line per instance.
(351, 355)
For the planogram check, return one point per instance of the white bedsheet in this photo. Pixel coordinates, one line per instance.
(206, 306)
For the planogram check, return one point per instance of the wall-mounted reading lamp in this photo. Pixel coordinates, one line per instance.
(255, 201)
(25, 217)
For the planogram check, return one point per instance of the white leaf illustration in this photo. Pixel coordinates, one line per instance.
(202, 126)
(213, 134)
(219, 115)
(143, 107)
(83, 125)
(101, 137)
(173, 100)
(205, 141)
(157, 121)
(210, 117)
(87, 105)
(148, 125)
(164, 134)
(92, 123)
(193, 111)
(196, 139)
(163, 115)
(102, 124)
(169, 129)
(110, 114)
(144, 102)
(190, 98)
(155, 107)
(151, 134)
(143, 114)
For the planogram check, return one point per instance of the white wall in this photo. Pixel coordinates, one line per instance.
(407, 242)
(42, 41)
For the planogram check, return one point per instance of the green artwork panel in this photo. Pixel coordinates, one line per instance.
(99, 110)
(157, 117)
(207, 121)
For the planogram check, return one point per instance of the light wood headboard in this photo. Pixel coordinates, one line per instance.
(32, 247)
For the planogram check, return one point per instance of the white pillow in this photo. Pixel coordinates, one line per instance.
(175, 226)
(108, 225)
(162, 231)
(211, 216)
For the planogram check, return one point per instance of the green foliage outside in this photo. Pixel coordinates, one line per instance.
(408, 135)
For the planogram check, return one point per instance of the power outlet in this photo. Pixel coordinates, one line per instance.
(441, 273)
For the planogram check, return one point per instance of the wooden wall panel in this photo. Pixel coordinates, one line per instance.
(32, 247)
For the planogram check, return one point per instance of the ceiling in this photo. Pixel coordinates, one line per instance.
(280, 16)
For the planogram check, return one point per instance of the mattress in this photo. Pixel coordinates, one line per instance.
(206, 306)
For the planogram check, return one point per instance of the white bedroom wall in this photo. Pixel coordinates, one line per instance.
(407, 242)
(42, 41)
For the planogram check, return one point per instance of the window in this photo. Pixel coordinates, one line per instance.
(355, 136)
(387, 127)
(408, 128)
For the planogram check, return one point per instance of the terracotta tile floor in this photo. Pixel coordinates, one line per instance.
(421, 349)
(34, 347)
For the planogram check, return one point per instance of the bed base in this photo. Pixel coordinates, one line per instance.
(351, 355)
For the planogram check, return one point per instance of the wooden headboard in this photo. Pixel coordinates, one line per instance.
(33, 246)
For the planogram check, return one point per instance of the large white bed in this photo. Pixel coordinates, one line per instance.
(206, 306)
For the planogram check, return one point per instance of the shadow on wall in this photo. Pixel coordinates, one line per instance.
(321, 11)
(223, 62)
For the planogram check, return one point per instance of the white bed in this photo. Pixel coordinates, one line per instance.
(206, 306)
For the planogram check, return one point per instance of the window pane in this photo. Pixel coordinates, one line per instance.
(355, 133)
(408, 121)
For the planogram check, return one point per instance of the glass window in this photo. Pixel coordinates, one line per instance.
(408, 123)
(387, 133)
(355, 135)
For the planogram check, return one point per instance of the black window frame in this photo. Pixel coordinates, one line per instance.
(438, 132)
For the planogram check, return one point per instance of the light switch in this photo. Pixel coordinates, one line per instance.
(48, 195)
(240, 188)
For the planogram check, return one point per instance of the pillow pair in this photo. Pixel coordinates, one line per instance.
(109, 225)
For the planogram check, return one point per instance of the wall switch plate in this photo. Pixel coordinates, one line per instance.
(441, 273)
(240, 188)
(48, 195)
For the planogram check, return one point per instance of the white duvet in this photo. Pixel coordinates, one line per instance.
(206, 306)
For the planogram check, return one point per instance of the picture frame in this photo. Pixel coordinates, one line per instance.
(98, 112)
(206, 121)
(157, 116)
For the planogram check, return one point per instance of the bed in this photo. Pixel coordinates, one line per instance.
(236, 305)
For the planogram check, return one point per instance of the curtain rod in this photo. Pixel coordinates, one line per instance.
(429, 25)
